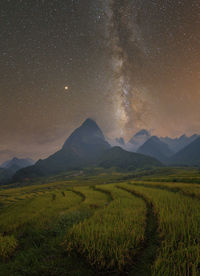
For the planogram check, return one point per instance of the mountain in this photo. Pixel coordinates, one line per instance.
(189, 156)
(155, 148)
(117, 157)
(17, 163)
(177, 144)
(138, 140)
(83, 147)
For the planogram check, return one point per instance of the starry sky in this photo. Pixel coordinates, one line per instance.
(128, 64)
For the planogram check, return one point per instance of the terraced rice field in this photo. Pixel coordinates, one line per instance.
(123, 228)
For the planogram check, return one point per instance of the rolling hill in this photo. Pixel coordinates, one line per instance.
(117, 157)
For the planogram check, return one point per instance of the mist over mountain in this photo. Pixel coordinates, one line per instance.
(159, 147)
(176, 144)
(10, 167)
(17, 163)
(137, 140)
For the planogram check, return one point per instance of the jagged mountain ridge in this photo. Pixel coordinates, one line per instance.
(84, 147)
(87, 144)
(177, 144)
(174, 144)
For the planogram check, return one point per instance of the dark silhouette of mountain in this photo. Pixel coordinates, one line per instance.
(83, 147)
(189, 156)
(5, 175)
(156, 148)
(120, 141)
(117, 157)
(16, 163)
(138, 140)
(176, 144)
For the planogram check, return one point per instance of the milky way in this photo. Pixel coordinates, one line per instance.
(129, 65)
(155, 58)
(127, 53)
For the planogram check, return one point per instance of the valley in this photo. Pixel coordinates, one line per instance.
(93, 208)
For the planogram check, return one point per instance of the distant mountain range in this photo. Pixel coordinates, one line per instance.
(178, 144)
(10, 167)
(165, 149)
(17, 163)
(86, 146)
(167, 152)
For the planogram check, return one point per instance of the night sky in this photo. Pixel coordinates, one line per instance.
(127, 64)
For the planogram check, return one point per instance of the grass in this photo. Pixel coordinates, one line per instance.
(192, 190)
(40, 223)
(8, 245)
(36, 210)
(141, 223)
(146, 256)
(179, 224)
(110, 239)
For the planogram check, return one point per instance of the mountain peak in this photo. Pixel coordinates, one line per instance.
(15, 159)
(89, 121)
(17, 162)
(90, 124)
(183, 137)
(142, 132)
(89, 133)
(83, 147)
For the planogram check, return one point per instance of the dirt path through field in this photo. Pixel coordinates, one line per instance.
(147, 254)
